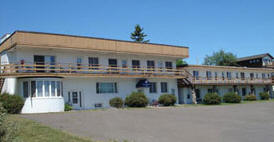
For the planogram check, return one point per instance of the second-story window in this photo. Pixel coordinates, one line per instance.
(263, 75)
(169, 66)
(150, 65)
(135, 64)
(242, 75)
(79, 63)
(251, 76)
(208, 75)
(237, 75)
(93, 62)
(228, 74)
(124, 63)
(196, 75)
(160, 66)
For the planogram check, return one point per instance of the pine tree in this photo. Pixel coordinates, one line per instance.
(138, 35)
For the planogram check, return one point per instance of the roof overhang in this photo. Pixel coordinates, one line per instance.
(70, 42)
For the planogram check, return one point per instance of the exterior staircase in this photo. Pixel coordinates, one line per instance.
(2, 80)
(186, 82)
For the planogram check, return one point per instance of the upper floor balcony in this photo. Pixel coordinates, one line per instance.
(229, 81)
(86, 70)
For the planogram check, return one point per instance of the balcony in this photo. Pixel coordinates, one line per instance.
(231, 81)
(85, 70)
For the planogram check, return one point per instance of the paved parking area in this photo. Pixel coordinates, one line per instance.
(228, 123)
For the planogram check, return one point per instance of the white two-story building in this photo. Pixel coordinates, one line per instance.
(223, 79)
(48, 70)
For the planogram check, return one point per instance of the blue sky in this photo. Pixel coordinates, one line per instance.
(244, 27)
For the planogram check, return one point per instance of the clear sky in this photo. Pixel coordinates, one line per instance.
(244, 27)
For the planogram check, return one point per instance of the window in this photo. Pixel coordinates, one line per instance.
(150, 65)
(257, 75)
(93, 62)
(46, 84)
(209, 90)
(153, 88)
(39, 88)
(228, 74)
(208, 75)
(25, 89)
(43, 88)
(251, 76)
(58, 88)
(237, 75)
(242, 75)
(216, 75)
(106, 87)
(79, 63)
(263, 75)
(52, 88)
(112, 62)
(164, 87)
(223, 75)
(168, 65)
(124, 63)
(196, 75)
(33, 89)
(160, 65)
(243, 91)
(135, 64)
(69, 101)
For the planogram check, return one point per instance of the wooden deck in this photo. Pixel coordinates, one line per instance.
(70, 70)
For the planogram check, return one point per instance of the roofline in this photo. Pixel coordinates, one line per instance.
(89, 37)
(250, 57)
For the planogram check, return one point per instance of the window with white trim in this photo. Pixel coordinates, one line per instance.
(106, 87)
(153, 87)
(42, 88)
(164, 88)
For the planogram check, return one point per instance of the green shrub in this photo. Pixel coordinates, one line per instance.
(167, 100)
(68, 107)
(8, 129)
(250, 98)
(136, 99)
(264, 96)
(116, 102)
(212, 99)
(232, 98)
(12, 103)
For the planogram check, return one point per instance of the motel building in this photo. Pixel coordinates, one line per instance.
(204, 79)
(49, 70)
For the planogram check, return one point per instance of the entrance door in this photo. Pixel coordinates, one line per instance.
(39, 61)
(76, 99)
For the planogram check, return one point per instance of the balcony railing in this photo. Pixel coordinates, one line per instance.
(64, 69)
(221, 80)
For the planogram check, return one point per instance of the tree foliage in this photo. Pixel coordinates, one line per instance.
(180, 63)
(221, 58)
(138, 35)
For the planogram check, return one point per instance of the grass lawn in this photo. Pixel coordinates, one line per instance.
(30, 131)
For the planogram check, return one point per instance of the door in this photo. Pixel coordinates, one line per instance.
(112, 63)
(39, 61)
(76, 97)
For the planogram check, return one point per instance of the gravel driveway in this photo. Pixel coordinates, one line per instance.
(227, 123)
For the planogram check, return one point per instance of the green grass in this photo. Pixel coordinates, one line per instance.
(30, 131)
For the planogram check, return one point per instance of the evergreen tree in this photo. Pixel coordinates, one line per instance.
(138, 35)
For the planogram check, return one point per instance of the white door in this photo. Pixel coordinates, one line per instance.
(76, 97)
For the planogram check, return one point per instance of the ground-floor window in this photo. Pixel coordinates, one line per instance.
(153, 87)
(164, 87)
(106, 87)
(42, 88)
